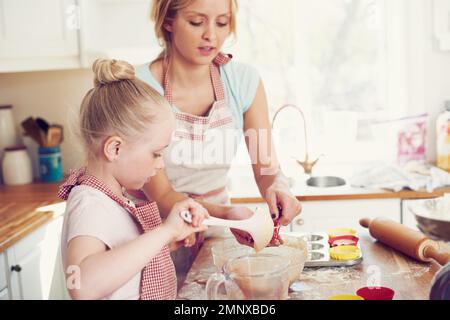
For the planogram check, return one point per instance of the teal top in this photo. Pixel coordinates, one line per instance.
(240, 84)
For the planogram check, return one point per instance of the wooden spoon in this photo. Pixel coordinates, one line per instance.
(260, 226)
(54, 136)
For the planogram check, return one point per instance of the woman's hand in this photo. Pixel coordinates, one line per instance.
(181, 230)
(283, 206)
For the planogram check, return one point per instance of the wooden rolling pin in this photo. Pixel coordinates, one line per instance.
(408, 241)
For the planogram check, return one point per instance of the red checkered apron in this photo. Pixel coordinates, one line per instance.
(158, 278)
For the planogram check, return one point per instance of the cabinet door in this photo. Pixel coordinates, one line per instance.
(4, 294)
(34, 264)
(3, 282)
(117, 29)
(26, 277)
(37, 32)
(324, 215)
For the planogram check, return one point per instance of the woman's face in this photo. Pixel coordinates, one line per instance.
(199, 30)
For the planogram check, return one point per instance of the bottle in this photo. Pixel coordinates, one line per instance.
(16, 166)
(443, 138)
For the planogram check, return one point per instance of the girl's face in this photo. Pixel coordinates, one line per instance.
(199, 30)
(140, 160)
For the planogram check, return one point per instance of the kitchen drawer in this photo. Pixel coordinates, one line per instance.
(4, 294)
(3, 269)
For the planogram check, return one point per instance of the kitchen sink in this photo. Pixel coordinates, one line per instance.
(325, 182)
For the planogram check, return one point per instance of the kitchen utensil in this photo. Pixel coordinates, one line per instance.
(293, 249)
(34, 131)
(252, 277)
(376, 293)
(296, 257)
(260, 226)
(43, 124)
(345, 253)
(54, 136)
(343, 240)
(318, 250)
(410, 242)
(228, 249)
(341, 232)
(432, 217)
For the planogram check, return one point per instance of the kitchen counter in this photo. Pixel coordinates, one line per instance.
(411, 280)
(243, 188)
(24, 209)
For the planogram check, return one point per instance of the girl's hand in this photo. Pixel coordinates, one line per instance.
(180, 229)
(189, 241)
(240, 213)
(279, 198)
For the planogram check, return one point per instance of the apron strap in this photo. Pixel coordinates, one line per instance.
(216, 80)
(146, 214)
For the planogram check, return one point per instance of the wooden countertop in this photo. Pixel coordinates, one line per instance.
(409, 279)
(24, 209)
(245, 190)
(351, 194)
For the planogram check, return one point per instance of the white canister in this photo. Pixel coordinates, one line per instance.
(16, 166)
(8, 135)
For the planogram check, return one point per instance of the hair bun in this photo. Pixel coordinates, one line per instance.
(110, 70)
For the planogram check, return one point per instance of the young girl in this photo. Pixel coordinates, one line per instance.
(113, 248)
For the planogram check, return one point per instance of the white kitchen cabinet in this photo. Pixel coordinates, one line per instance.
(34, 265)
(4, 294)
(117, 29)
(324, 215)
(38, 35)
(3, 282)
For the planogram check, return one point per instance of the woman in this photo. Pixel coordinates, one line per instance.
(212, 97)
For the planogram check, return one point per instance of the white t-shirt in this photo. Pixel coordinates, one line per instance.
(90, 212)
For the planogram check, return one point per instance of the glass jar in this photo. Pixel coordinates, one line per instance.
(16, 166)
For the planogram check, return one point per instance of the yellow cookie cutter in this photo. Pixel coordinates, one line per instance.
(345, 253)
(341, 232)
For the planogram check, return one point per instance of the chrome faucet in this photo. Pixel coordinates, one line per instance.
(306, 164)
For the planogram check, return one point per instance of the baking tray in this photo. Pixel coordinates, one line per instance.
(318, 250)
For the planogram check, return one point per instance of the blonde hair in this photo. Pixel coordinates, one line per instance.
(118, 104)
(166, 10)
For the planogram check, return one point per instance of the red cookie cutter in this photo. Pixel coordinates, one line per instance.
(347, 240)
